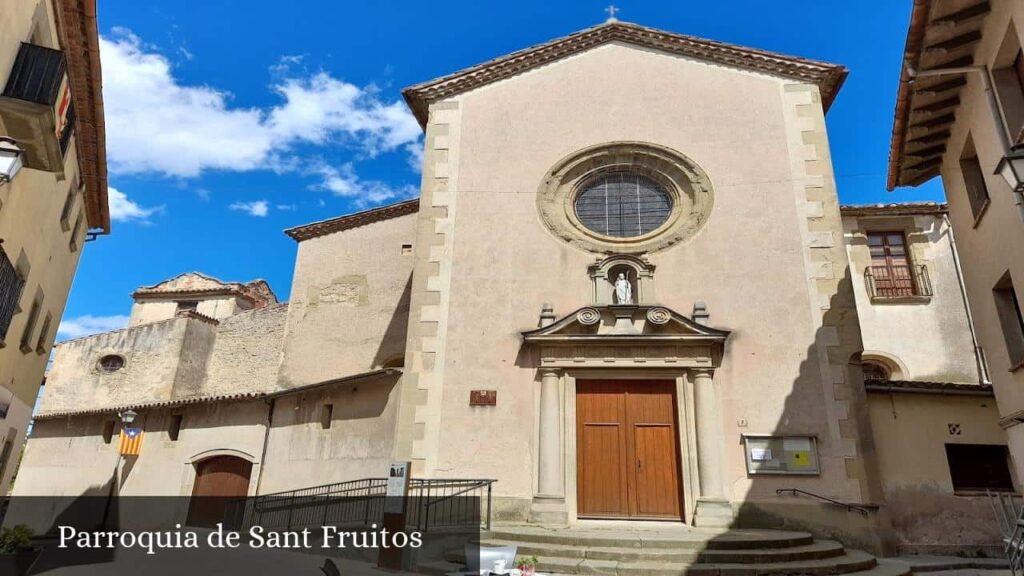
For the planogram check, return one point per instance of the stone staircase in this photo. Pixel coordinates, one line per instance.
(661, 549)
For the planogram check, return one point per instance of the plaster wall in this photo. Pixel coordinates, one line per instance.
(349, 303)
(155, 310)
(989, 246)
(929, 339)
(302, 453)
(163, 360)
(911, 432)
(69, 457)
(491, 264)
(34, 239)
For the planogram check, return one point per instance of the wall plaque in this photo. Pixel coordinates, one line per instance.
(767, 454)
(483, 397)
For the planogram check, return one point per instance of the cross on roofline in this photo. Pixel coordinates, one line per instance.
(612, 10)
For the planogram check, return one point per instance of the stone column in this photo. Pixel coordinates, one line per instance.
(709, 446)
(712, 509)
(549, 503)
(549, 469)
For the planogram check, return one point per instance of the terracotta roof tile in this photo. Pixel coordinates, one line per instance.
(315, 229)
(828, 77)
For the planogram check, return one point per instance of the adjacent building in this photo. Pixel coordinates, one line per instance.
(960, 110)
(660, 314)
(51, 117)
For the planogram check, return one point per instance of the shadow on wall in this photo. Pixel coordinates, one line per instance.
(847, 463)
(392, 344)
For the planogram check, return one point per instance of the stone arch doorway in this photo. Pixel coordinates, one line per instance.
(219, 480)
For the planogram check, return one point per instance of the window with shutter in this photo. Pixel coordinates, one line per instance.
(11, 286)
(890, 266)
(974, 179)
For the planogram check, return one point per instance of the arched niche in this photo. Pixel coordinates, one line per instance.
(638, 270)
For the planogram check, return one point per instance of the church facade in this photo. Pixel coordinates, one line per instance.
(626, 291)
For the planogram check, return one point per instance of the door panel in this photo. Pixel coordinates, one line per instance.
(628, 449)
(219, 480)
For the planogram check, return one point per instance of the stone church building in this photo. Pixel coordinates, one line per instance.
(626, 291)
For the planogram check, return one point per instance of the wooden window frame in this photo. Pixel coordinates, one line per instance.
(12, 288)
(1011, 320)
(956, 451)
(891, 267)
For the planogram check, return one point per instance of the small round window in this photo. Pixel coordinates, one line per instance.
(111, 363)
(622, 204)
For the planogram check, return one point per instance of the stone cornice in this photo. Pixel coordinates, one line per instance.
(828, 77)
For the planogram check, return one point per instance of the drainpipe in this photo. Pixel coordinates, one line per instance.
(266, 438)
(979, 354)
(993, 107)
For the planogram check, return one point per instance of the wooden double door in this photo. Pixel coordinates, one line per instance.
(627, 449)
(219, 481)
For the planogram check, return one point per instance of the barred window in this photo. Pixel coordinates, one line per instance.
(11, 285)
(622, 204)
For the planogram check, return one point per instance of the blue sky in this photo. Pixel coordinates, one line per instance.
(228, 121)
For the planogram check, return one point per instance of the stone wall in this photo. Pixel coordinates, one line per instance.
(349, 303)
(247, 352)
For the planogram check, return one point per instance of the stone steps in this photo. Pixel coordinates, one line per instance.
(676, 550)
(815, 551)
(851, 562)
(692, 540)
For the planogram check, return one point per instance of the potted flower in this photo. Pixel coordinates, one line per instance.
(527, 565)
(17, 553)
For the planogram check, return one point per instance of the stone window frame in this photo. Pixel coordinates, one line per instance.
(99, 363)
(916, 243)
(686, 183)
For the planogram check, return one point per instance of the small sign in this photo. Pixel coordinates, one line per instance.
(398, 487)
(483, 398)
(760, 454)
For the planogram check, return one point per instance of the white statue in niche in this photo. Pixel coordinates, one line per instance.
(623, 290)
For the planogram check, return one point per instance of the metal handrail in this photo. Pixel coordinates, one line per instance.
(897, 281)
(849, 507)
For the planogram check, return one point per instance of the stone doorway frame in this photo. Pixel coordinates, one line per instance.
(628, 342)
(684, 428)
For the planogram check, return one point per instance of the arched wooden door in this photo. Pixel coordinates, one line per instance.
(219, 480)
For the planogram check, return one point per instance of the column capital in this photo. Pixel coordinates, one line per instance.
(550, 372)
(702, 372)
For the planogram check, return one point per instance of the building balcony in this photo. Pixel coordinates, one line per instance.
(36, 109)
(894, 284)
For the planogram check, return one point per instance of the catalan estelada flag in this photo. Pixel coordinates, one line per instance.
(131, 441)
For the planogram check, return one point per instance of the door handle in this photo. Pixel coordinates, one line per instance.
(638, 464)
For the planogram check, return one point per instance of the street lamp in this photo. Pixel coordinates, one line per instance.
(128, 416)
(11, 158)
(1011, 168)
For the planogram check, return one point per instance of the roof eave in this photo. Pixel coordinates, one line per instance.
(828, 77)
(80, 39)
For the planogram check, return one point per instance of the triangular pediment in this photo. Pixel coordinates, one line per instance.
(828, 77)
(634, 324)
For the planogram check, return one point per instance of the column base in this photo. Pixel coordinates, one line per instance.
(549, 510)
(713, 513)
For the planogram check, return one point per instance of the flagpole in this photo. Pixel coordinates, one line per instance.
(127, 417)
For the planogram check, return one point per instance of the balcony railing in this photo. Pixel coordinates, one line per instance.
(35, 106)
(895, 282)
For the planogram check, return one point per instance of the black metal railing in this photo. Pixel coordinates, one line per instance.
(1010, 521)
(432, 503)
(849, 507)
(36, 75)
(897, 281)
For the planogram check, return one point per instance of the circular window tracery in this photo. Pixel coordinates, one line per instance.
(625, 198)
(111, 363)
(622, 204)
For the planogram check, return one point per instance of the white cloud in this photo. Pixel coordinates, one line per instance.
(259, 208)
(344, 182)
(87, 324)
(157, 124)
(124, 210)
